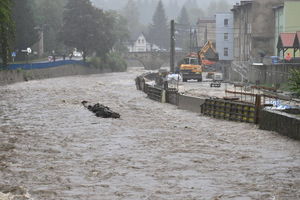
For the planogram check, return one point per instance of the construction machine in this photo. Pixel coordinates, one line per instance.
(192, 66)
(208, 58)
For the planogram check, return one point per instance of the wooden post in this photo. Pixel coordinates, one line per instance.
(257, 108)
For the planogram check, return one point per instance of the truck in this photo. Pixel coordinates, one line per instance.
(191, 67)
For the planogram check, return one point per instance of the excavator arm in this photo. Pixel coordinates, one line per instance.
(202, 53)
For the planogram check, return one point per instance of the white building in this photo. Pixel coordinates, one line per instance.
(141, 45)
(224, 35)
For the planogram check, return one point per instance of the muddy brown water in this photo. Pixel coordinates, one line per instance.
(51, 147)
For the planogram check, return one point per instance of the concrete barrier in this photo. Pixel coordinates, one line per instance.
(281, 122)
(272, 74)
(172, 96)
(190, 103)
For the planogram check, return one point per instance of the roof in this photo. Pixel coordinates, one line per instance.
(286, 40)
(237, 6)
(278, 6)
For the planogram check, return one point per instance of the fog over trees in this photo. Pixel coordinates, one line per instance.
(146, 8)
(140, 13)
(118, 22)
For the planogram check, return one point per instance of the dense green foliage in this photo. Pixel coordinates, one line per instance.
(49, 18)
(159, 29)
(6, 30)
(120, 31)
(131, 14)
(26, 33)
(294, 81)
(113, 62)
(87, 28)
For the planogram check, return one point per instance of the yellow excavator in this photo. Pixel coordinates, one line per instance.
(192, 66)
(208, 58)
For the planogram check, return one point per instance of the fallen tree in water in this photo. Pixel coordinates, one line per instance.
(101, 110)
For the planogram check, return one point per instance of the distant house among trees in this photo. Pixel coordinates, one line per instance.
(140, 44)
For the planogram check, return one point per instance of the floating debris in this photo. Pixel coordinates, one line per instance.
(101, 110)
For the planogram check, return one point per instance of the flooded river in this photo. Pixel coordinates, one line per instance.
(51, 147)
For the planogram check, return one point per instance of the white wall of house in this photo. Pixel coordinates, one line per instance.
(141, 45)
(224, 35)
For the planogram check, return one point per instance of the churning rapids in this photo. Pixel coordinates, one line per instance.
(51, 147)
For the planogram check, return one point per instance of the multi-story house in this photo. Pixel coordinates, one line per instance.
(206, 29)
(254, 29)
(224, 36)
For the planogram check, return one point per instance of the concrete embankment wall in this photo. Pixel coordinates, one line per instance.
(266, 74)
(283, 123)
(190, 103)
(19, 75)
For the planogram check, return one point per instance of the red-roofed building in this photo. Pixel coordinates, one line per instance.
(286, 16)
(288, 41)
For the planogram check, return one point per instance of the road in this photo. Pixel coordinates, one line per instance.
(51, 147)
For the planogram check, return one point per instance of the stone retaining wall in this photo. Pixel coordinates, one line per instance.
(19, 75)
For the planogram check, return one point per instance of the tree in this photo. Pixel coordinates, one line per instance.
(212, 8)
(49, 15)
(158, 30)
(6, 30)
(223, 6)
(172, 9)
(183, 30)
(87, 28)
(217, 6)
(183, 17)
(120, 31)
(26, 33)
(294, 81)
(131, 13)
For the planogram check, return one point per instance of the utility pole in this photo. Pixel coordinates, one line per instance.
(190, 39)
(172, 47)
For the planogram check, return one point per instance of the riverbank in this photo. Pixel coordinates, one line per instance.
(56, 149)
(20, 75)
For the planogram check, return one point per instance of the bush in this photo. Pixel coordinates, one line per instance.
(96, 62)
(294, 81)
(113, 61)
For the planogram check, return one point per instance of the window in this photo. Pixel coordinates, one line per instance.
(226, 22)
(225, 51)
(139, 41)
(225, 36)
(249, 28)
